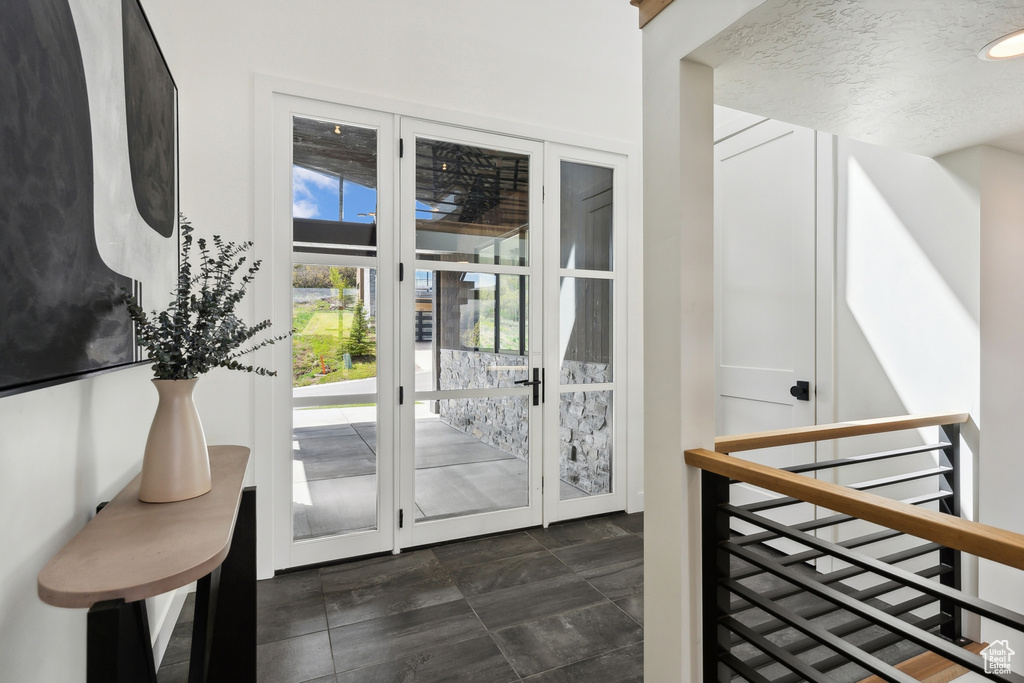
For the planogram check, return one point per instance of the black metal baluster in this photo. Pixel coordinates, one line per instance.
(950, 481)
(714, 569)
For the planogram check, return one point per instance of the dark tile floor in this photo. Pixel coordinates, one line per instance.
(556, 605)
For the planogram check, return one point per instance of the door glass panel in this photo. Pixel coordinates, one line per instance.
(334, 188)
(334, 345)
(585, 331)
(334, 470)
(585, 334)
(471, 456)
(470, 330)
(585, 443)
(334, 462)
(586, 216)
(472, 204)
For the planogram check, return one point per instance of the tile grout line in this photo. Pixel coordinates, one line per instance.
(448, 572)
(327, 622)
(585, 659)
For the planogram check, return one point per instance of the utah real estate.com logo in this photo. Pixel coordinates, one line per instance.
(997, 657)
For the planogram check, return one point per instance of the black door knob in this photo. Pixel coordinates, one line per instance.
(801, 391)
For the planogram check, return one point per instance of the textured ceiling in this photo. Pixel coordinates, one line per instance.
(900, 73)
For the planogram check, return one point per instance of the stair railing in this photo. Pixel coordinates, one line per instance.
(731, 556)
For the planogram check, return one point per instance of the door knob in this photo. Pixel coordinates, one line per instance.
(801, 391)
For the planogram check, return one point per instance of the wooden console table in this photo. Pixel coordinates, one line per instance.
(133, 550)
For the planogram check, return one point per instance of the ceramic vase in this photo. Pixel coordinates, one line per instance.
(176, 464)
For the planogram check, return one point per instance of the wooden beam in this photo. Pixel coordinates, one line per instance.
(649, 9)
(989, 542)
(839, 430)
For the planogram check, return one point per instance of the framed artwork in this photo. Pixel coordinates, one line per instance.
(89, 181)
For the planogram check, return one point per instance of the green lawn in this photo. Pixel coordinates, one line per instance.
(328, 322)
(321, 340)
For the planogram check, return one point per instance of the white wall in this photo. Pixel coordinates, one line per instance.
(64, 450)
(907, 314)
(529, 61)
(1002, 374)
(907, 289)
(907, 282)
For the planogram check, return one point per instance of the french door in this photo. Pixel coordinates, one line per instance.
(471, 232)
(584, 445)
(454, 296)
(335, 427)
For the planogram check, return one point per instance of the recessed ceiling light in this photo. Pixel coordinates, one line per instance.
(1007, 47)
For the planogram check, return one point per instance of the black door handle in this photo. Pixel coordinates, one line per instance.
(801, 391)
(537, 384)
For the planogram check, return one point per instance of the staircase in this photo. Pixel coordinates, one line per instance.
(826, 582)
(821, 613)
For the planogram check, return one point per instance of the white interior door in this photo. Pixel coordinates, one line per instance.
(765, 288)
(584, 454)
(471, 333)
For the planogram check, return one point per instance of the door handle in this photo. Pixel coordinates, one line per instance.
(801, 391)
(537, 384)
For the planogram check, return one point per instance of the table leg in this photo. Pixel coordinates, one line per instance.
(224, 627)
(119, 645)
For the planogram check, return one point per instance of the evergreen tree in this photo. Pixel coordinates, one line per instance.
(358, 343)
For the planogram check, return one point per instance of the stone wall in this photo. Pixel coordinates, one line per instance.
(499, 422)
(585, 417)
(585, 440)
(580, 372)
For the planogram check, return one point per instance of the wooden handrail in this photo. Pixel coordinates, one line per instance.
(991, 543)
(839, 430)
(649, 9)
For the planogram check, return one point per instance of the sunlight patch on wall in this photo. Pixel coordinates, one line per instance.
(925, 340)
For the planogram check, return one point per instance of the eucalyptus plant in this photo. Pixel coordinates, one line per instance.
(200, 330)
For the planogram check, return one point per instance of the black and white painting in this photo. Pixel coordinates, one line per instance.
(88, 186)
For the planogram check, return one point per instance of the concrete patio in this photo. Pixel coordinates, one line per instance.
(334, 470)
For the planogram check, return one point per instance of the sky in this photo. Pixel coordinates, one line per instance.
(315, 195)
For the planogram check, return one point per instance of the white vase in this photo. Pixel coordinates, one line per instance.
(176, 465)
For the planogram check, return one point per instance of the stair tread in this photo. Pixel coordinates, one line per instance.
(931, 668)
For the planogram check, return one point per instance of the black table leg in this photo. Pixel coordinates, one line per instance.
(223, 632)
(119, 645)
(233, 653)
(224, 629)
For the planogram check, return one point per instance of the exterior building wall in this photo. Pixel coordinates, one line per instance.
(585, 417)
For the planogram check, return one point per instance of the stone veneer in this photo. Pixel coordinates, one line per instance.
(579, 372)
(500, 422)
(585, 417)
(585, 428)
(585, 440)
